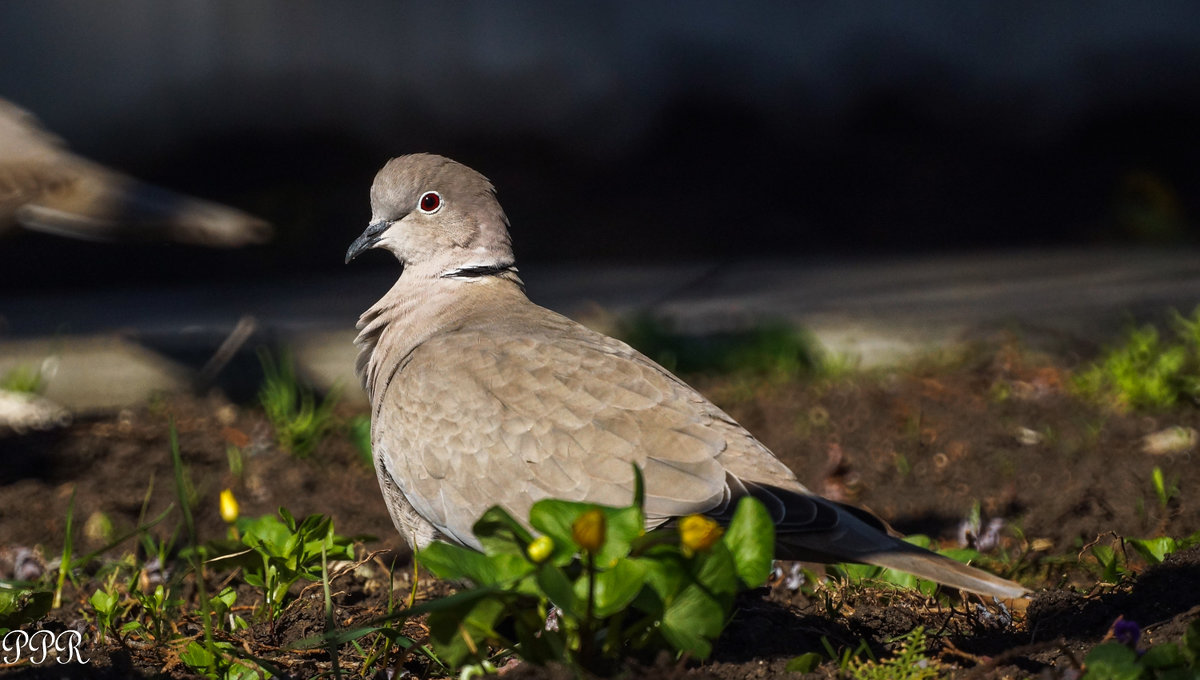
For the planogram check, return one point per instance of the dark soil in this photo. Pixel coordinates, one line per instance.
(996, 428)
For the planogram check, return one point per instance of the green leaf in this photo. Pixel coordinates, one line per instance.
(197, 657)
(853, 571)
(538, 645)
(616, 587)
(510, 567)
(717, 572)
(697, 595)
(23, 605)
(288, 518)
(639, 488)
(453, 562)
(265, 532)
(1191, 642)
(624, 525)
(900, 579)
(1110, 565)
(692, 620)
(1112, 661)
(1154, 550)
(450, 628)
(102, 601)
(666, 574)
(1164, 656)
(557, 587)
(499, 532)
(964, 555)
(919, 540)
(805, 663)
(554, 518)
(750, 538)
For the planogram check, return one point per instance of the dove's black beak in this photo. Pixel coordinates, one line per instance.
(367, 240)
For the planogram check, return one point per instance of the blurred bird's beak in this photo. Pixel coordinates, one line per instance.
(369, 238)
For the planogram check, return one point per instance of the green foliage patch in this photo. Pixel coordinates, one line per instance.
(300, 422)
(25, 378)
(1146, 371)
(281, 551)
(1121, 659)
(594, 587)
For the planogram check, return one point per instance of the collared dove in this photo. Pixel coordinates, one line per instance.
(479, 397)
(44, 187)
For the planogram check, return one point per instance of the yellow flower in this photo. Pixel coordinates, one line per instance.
(588, 531)
(697, 532)
(229, 506)
(540, 549)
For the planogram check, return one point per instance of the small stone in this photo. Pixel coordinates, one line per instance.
(1029, 437)
(1174, 439)
(227, 415)
(98, 529)
(21, 412)
(1040, 545)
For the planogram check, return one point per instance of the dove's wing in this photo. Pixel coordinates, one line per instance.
(531, 405)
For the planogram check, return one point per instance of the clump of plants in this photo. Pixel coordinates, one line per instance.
(1147, 371)
(276, 552)
(1110, 560)
(23, 378)
(299, 420)
(1121, 658)
(593, 587)
(145, 601)
(908, 662)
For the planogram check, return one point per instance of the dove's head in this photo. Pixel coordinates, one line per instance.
(431, 212)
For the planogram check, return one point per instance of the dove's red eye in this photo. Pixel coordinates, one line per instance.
(430, 202)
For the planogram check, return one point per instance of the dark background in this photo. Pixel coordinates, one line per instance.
(625, 130)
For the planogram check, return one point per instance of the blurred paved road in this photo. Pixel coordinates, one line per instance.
(878, 310)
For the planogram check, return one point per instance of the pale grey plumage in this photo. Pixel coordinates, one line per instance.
(480, 397)
(44, 187)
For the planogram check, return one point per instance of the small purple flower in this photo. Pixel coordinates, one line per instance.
(1126, 632)
(553, 617)
(970, 534)
(26, 566)
(990, 538)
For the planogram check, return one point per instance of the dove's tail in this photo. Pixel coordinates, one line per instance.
(814, 529)
(929, 565)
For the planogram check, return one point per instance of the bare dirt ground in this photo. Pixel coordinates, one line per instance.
(996, 427)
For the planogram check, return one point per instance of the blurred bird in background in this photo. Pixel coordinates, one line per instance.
(46, 188)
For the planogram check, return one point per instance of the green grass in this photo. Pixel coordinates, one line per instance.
(25, 378)
(1146, 371)
(299, 420)
(270, 555)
